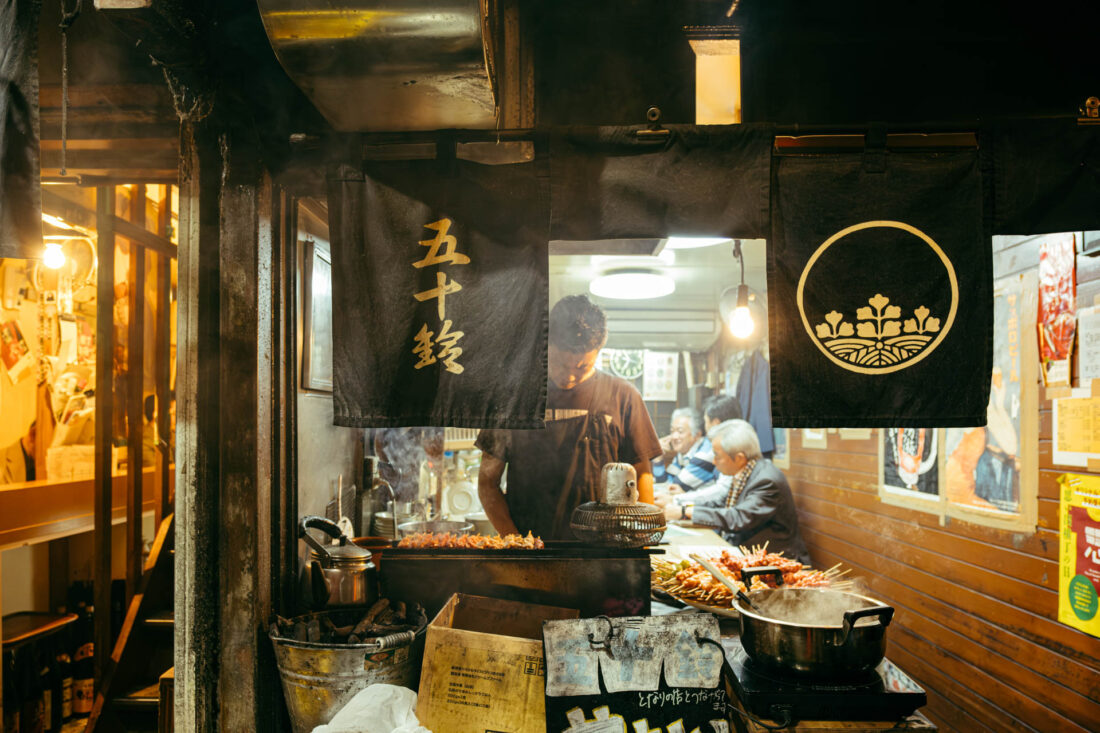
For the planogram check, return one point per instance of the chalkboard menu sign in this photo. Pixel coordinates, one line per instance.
(638, 673)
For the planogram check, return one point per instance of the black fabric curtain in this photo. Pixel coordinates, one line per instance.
(1046, 176)
(879, 290)
(20, 195)
(609, 183)
(439, 294)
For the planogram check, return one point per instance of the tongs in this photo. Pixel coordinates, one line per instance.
(724, 580)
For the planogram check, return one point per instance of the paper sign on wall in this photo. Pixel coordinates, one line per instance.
(1079, 553)
(1088, 345)
(1076, 428)
(661, 378)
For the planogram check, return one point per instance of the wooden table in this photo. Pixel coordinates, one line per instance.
(915, 722)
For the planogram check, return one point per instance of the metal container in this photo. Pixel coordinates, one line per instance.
(337, 575)
(437, 526)
(319, 679)
(775, 634)
(595, 580)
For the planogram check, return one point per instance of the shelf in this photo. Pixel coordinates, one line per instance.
(39, 511)
(19, 628)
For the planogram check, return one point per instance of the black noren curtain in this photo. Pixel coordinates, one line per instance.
(609, 183)
(880, 290)
(439, 294)
(20, 195)
(1046, 176)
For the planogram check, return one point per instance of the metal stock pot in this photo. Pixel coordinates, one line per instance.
(814, 632)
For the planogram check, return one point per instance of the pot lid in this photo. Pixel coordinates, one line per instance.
(342, 554)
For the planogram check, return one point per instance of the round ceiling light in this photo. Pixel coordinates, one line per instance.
(693, 242)
(632, 285)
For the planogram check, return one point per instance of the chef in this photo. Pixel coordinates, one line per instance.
(592, 418)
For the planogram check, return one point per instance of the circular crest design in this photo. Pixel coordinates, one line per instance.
(627, 363)
(878, 338)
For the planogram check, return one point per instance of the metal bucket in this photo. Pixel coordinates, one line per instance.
(319, 679)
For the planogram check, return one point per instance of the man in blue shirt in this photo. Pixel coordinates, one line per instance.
(687, 460)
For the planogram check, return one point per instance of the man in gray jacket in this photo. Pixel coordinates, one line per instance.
(758, 507)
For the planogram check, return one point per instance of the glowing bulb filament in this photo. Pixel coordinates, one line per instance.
(741, 325)
(53, 257)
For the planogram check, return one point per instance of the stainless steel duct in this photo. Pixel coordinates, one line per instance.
(389, 65)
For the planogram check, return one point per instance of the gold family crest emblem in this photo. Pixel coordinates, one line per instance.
(879, 338)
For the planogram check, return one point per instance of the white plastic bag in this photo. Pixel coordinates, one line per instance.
(377, 709)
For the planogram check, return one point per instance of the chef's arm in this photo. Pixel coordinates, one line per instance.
(645, 481)
(492, 498)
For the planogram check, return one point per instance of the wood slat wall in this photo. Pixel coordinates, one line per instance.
(976, 621)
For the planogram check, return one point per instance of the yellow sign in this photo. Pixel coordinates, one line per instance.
(1079, 553)
(1079, 425)
(882, 340)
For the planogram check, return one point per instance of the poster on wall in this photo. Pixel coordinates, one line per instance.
(1076, 429)
(815, 438)
(990, 472)
(661, 376)
(14, 352)
(1057, 306)
(910, 466)
(1079, 552)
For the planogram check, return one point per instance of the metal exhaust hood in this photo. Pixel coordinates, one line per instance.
(390, 65)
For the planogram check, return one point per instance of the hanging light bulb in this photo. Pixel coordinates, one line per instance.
(54, 256)
(741, 324)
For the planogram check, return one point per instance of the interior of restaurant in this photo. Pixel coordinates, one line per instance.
(189, 293)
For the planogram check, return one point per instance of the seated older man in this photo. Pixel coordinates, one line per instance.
(758, 507)
(687, 461)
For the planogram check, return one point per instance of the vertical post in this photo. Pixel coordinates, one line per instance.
(287, 308)
(247, 671)
(197, 600)
(135, 381)
(163, 360)
(104, 389)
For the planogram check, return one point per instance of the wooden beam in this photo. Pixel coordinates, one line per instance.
(163, 358)
(197, 601)
(104, 389)
(138, 234)
(135, 417)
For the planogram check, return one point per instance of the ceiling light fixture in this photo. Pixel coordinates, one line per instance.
(629, 284)
(739, 319)
(693, 242)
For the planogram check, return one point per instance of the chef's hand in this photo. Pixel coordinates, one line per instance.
(675, 489)
(661, 501)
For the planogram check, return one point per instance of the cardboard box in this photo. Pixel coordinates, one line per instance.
(483, 668)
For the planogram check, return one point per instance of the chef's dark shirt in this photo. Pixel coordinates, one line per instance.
(538, 467)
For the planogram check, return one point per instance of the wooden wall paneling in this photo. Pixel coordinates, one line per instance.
(977, 606)
(997, 631)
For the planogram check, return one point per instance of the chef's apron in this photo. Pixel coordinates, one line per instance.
(577, 448)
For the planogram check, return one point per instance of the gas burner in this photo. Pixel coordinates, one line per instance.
(884, 693)
(857, 681)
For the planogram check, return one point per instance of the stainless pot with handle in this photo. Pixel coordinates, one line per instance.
(814, 632)
(336, 575)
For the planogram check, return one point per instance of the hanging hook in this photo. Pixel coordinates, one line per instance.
(653, 131)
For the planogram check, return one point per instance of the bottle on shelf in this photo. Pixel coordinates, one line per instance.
(51, 684)
(84, 664)
(64, 667)
(30, 719)
(13, 702)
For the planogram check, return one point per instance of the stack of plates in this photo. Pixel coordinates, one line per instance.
(382, 524)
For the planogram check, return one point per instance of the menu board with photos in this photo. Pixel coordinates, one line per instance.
(661, 376)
